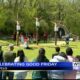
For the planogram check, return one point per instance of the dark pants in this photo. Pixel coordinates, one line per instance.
(10, 75)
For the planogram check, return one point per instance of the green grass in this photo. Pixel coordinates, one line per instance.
(49, 47)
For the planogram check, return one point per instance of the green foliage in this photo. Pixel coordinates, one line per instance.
(48, 11)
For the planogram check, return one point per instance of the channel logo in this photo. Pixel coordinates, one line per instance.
(76, 66)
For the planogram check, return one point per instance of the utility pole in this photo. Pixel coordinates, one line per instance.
(37, 29)
(17, 31)
(55, 30)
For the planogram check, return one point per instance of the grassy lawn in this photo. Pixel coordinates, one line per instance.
(49, 47)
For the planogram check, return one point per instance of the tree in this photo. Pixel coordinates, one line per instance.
(67, 11)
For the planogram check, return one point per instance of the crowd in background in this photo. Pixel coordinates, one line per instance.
(31, 37)
(58, 56)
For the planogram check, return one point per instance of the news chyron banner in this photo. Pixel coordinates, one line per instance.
(40, 66)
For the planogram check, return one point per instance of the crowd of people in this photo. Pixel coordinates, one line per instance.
(11, 56)
(31, 37)
(58, 56)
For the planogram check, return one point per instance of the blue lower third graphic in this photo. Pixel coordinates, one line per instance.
(38, 66)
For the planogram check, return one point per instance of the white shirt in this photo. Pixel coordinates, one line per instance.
(17, 60)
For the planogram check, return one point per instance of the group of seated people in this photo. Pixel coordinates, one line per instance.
(58, 56)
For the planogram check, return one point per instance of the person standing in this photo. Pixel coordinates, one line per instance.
(21, 38)
(20, 58)
(40, 75)
(9, 57)
(14, 36)
(45, 37)
(67, 37)
(26, 43)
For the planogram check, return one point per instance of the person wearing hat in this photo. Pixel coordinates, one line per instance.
(9, 57)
